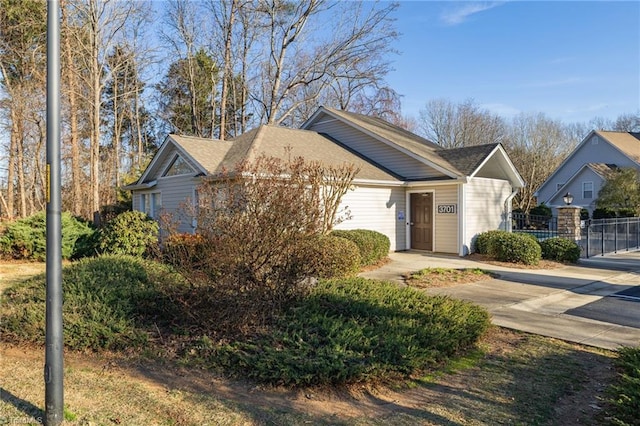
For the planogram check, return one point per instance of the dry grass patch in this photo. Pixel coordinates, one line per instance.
(445, 277)
(519, 379)
(12, 272)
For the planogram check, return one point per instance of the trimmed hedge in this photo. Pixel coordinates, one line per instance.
(560, 249)
(331, 256)
(509, 247)
(27, 238)
(374, 246)
(485, 240)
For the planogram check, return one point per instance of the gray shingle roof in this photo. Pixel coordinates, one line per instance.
(214, 155)
(469, 158)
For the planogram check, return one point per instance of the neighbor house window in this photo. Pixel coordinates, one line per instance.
(151, 204)
(587, 190)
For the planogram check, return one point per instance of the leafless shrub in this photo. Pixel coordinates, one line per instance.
(252, 254)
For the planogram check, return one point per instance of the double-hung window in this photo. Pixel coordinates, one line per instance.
(587, 190)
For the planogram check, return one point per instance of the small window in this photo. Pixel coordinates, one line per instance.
(151, 204)
(178, 167)
(587, 190)
(559, 186)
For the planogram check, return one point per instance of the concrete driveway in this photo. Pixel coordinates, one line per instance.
(596, 302)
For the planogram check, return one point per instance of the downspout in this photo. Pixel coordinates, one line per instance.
(507, 209)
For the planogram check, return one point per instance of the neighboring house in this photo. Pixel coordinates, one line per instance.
(418, 194)
(585, 170)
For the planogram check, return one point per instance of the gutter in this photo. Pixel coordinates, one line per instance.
(136, 186)
(507, 208)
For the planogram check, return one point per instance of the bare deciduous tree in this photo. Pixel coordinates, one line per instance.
(456, 125)
(536, 145)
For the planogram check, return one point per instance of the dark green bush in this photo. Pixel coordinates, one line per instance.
(560, 249)
(624, 393)
(484, 240)
(541, 210)
(374, 246)
(130, 233)
(515, 248)
(330, 256)
(27, 238)
(110, 302)
(608, 213)
(351, 331)
(604, 213)
(584, 214)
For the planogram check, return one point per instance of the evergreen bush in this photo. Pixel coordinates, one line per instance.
(560, 249)
(331, 256)
(374, 246)
(27, 238)
(130, 233)
(515, 248)
(484, 240)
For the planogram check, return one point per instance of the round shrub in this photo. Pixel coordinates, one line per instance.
(515, 248)
(27, 238)
(130, 233)
(330, 256)
(373, 246)
(560, 249)
(485, 239)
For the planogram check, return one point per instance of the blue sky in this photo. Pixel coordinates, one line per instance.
(572, 60)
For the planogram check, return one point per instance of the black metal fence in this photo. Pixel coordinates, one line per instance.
(541, 227)
(600, 236)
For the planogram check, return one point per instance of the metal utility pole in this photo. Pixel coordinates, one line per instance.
(53, 367)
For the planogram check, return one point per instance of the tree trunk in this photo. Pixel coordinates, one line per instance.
(77, 196)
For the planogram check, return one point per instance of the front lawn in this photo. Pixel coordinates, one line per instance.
(343, 331)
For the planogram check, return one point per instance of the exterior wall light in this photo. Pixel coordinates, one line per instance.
(568, 198)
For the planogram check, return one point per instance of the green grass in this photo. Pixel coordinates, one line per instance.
(624, 394)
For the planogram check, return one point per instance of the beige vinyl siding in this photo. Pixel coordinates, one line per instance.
(484, 207)
(377, 151)
(377, 209)
(445, 225)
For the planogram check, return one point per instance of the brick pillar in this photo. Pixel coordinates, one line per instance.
(569, 223)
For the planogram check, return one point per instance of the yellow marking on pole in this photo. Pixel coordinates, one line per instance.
(48, 183)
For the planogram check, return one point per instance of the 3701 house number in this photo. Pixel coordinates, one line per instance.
(447, 208)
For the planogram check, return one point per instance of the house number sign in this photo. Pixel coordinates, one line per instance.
(447, 208)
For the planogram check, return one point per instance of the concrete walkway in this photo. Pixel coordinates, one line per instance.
(577, 303)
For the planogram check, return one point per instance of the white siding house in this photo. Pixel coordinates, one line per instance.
(584, 171)
(408, 188)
